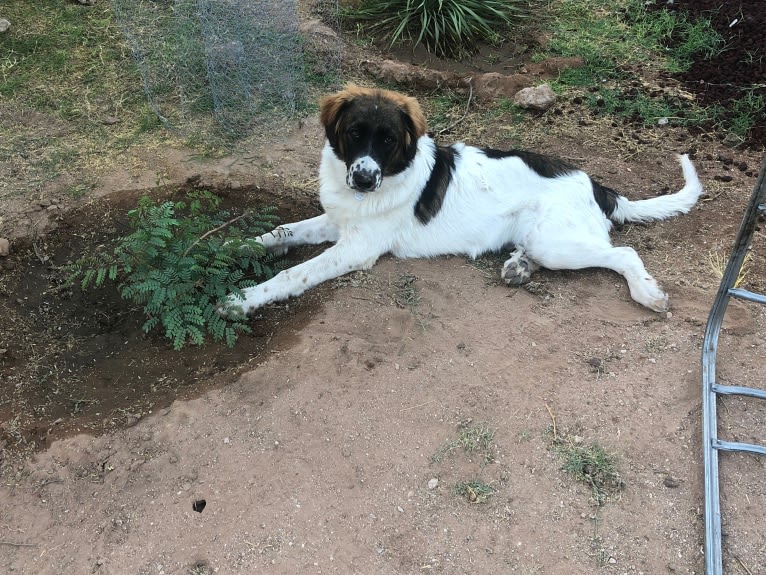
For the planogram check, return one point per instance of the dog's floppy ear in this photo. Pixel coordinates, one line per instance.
(331, 110)
(413, 114)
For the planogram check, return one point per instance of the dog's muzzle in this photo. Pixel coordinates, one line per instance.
(364, 175)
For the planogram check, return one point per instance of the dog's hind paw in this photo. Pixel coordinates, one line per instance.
(659, 304)
(649, 294)
(518, 269)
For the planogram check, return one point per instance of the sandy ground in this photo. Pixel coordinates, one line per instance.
(319, 457)
(318, 460)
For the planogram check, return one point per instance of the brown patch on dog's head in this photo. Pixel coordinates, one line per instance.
(367, 122)
(330, 106)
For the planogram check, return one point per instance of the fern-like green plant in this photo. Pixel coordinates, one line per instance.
(179, 261)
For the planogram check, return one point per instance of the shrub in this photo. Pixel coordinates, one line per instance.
(180, 260)
(446, 27)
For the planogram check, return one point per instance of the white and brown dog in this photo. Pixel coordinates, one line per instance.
(387, 187)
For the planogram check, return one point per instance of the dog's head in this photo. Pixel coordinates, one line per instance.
(375, 132)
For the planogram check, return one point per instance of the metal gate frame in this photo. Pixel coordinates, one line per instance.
(711, 389)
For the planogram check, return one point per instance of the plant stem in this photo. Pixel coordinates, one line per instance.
(211, 232)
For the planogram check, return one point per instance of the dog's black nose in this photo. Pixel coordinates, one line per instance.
(365, 180)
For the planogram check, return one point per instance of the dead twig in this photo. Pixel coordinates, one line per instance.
(416, 406)
(213, 231)
(743, 565)
(461, 118)
(14, 544)
(553, 419)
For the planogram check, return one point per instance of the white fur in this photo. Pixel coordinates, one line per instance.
(490, 203)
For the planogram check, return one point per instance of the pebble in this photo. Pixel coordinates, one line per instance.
(671, 482)
(433, 483)
(5, 247)
(4, 24)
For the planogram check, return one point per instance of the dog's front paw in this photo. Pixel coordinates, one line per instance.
(233, 307)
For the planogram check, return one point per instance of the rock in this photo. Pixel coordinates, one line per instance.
(392, 71)
(4, 25)
(539, 97)
(5, 247)
(492, 85)
(671, 482)
(433, 483)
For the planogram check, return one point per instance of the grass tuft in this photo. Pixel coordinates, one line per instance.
(589, 463)
(406, 293)
(472, 438)
(475, 490)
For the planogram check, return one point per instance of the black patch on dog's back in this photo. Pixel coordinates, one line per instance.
(548, 167)
(606, 198)
(432, 194)
(542, 165)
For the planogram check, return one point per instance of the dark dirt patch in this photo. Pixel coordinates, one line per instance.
(741, 66)
(75, 361)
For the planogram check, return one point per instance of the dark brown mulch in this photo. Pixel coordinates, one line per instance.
(741, 66)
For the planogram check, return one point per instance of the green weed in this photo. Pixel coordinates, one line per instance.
(475, 490)
(589, 463)
(472, 438)
(746, 111)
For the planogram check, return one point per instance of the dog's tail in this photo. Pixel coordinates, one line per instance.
(661, 207)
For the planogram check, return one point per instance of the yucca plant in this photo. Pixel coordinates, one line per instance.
(449, 28)
(181, 259)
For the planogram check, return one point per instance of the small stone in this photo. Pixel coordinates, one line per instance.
(4, 25)
(5, 247)
(539, 97)
(671, 482)
(663, 122)
(226, 440)
(612, 560)
(433, 483)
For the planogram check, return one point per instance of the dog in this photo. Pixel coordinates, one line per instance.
(387, 187)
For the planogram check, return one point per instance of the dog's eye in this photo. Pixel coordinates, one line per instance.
(354, 133)
(389, 140)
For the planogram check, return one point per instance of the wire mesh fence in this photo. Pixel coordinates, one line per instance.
(231, 67)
